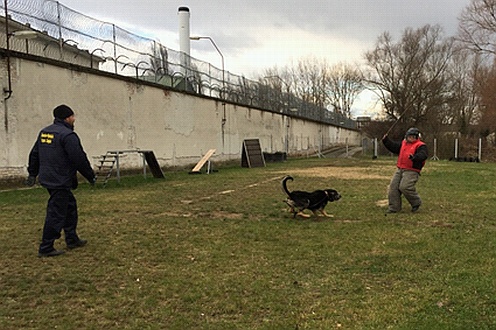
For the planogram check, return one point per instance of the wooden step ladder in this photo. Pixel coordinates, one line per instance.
(105, 167)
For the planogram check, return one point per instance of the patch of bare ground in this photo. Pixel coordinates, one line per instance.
(346, 173)
(203, 215)
(382, 203)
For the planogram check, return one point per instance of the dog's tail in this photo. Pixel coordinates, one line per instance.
(283, 184)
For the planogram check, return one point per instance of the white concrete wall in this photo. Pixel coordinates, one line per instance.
(114, 114)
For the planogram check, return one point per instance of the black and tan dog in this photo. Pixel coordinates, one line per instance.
(314, 201)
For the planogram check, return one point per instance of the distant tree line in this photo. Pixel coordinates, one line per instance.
(313, 80)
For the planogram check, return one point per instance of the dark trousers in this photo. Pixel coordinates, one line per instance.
(403, 183)
(61, 215)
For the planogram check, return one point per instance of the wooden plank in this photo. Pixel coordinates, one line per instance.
(202, 161)
(152, 162)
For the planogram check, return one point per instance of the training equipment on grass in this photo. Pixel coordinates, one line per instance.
(110, 160)
(205, 159)
(251, 154)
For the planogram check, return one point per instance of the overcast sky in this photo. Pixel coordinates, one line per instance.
(255, 35)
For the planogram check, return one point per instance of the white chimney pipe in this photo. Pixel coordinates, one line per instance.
(184, 42)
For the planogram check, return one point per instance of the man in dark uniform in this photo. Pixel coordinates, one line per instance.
(412, 154)
(55, 158)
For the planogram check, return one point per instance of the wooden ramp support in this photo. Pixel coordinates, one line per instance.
(153, 164)
(251, 155)
(199, 165)
(105, 168)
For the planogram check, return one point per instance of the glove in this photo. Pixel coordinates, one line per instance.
(30, 181)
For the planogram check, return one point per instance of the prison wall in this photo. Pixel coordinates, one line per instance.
(123, 113)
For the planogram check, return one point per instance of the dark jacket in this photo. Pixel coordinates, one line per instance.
(57, 156)
(411, 156)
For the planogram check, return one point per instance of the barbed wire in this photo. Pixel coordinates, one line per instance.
(126, 53)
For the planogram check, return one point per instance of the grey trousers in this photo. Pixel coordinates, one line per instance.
(403, 183)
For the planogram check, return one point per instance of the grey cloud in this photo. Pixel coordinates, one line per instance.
(236, 25)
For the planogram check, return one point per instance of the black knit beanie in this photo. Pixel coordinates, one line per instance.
(62, 112)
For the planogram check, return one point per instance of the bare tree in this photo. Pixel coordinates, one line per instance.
(278, 78)
(278, 87)
(344, 83)
(309, 78)
(465, 74)
(487, 123)
(313, 81)
(477, 28)
(409, 76)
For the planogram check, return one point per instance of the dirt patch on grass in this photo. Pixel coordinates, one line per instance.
(382, 203)
(347, 173)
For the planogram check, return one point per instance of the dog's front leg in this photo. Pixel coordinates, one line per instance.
(303, 215)
(324, 213)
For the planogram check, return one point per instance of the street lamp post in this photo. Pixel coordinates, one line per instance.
(221, 57)
(28, 34)
(222, 94)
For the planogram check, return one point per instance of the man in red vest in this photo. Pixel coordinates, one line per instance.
(412, 153)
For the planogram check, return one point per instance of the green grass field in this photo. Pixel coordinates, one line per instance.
(220, 251)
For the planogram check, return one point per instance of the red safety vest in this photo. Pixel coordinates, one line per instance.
(406, 150)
